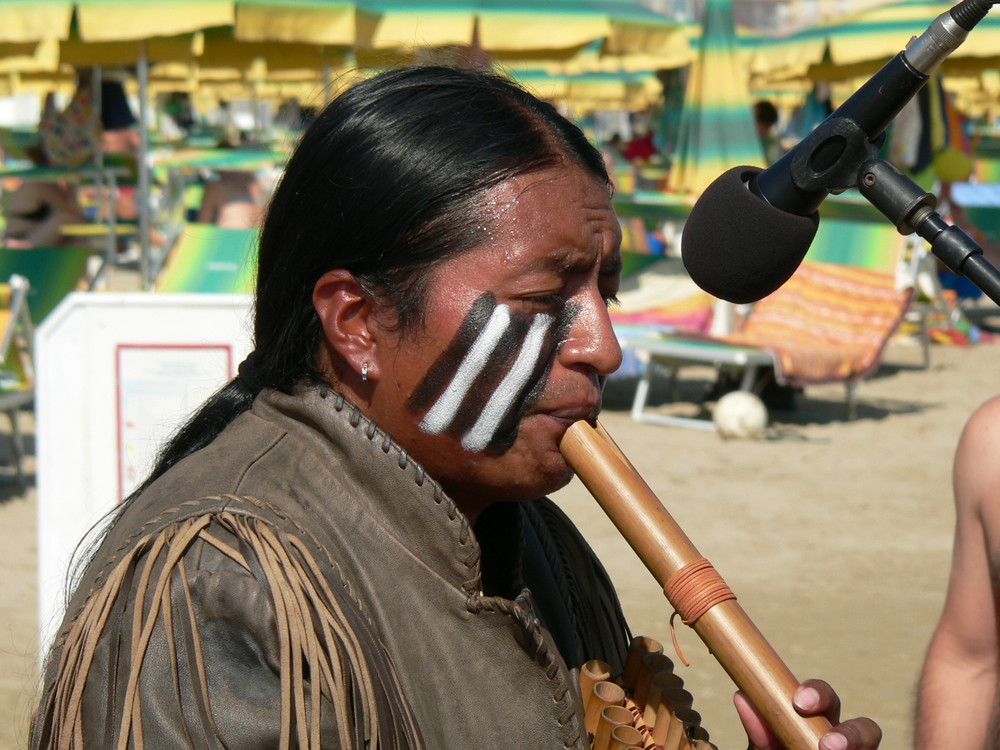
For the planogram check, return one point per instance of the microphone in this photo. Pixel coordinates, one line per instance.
(750, 229)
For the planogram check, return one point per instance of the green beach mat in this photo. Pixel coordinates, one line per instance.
(211, 260)
(53, 272)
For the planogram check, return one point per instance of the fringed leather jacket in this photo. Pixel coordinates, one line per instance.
(301, 582)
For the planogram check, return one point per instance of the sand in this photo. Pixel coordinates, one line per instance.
(835, 536)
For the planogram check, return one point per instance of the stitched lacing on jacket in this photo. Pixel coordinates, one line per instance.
(387, 445)
(476, 602)
(532, 626)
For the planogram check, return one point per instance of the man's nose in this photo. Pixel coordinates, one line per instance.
(591, 339)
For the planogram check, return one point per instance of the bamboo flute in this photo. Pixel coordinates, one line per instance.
(611, 717)
(624, 737)
(602, 694)
(664, 549)
(591, 673)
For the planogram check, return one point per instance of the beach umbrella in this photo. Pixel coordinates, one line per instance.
(521, 26)
(314, 21)
(861, 43)
(717, 129)
(100, 20)
(100, 25)
(582, 93)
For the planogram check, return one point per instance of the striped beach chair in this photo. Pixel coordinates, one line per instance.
(829, 323)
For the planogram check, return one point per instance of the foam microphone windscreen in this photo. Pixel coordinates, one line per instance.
(737, 246)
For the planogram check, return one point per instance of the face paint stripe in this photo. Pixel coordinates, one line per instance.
(437, 419)
(499, 364)
(506, 433)
(477, 438)
(437, 377)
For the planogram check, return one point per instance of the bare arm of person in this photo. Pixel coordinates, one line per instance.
(62, 197)
(211, 202)
(958, 684)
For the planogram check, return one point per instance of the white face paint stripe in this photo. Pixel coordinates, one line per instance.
(479, 436)
(437, 419)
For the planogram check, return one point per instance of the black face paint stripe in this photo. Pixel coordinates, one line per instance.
(490, 377)
(506, 433)
(477, 408)
(443, 370)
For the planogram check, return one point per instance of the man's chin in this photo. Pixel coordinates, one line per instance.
(513, 488)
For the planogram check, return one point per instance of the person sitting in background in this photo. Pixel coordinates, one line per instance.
(178, 118)
(641, 148)
(119, 142)
(765, 116)
(36, 210)
(234, 199)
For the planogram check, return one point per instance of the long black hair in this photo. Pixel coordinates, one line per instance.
(385, 183)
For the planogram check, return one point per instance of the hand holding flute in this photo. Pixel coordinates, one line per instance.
(767, 687)
(811, 698)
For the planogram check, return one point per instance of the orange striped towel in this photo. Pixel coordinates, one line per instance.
(828, 323)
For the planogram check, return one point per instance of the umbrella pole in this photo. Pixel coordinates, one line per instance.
(142, 200)
(105, 199)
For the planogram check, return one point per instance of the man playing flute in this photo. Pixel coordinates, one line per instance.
(349, 546)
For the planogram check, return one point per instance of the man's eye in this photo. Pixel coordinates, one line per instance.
(546, 301)
(611, 300)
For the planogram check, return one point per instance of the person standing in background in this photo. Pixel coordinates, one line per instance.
(957, 693)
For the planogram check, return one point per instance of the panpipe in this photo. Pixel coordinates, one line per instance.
(645, 707)
(690, 584)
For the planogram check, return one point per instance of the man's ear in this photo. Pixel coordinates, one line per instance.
(348, 319)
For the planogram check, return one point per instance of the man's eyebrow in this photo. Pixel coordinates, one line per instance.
(578, 263)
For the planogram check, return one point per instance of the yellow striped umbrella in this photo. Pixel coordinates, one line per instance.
(518, 26)
(717, 130)
(582, 93)
(137, 24)
(862, 42)
(325, 22)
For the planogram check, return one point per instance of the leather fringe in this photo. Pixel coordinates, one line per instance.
(328, 653)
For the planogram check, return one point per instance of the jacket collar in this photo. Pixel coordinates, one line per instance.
(379, 475)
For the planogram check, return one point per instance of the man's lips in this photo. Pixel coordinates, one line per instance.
(571, 413)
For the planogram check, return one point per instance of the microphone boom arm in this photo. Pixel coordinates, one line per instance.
(912, 209)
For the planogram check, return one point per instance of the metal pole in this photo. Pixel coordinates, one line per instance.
(142, 199)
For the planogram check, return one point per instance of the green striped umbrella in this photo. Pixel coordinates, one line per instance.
(137, 26)
(861, 43)
(626, 26)
(717, 130)
(312, 21)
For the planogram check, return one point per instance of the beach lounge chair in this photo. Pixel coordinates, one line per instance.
(52, 273)
(17, 376)
(210, 259)
(829, 323)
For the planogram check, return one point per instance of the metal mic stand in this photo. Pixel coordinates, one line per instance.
(911, 209)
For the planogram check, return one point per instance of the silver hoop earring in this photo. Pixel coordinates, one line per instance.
(364, 371)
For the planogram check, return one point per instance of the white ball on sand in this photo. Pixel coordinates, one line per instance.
(740, 414)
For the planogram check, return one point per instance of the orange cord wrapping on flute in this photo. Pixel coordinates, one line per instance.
(693, 590)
